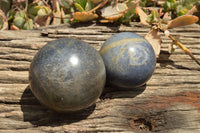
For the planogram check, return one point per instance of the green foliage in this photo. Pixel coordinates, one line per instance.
(84, 5)
(179, 7)
(79, 7)
(153, 17)
(146, 3)
(28, 24)
(41, 13)
(67, 19)
(160, 24)
(169, 5)
(19, 19)
(33, 10)
(126, 18)
(5, 5)
(67, 4)
(89, 5)
(1, 23)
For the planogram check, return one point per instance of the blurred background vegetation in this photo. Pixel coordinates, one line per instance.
(29, 14)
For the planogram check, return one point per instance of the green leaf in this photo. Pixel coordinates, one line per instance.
(19, 22)
(169, 5)
(5, 5)
(182, 12)
(82, 3)
(28, 25)
(19, 19)
(10, 15)
(150, 18)
(47, 10)
(67, 18)
(79, 7)
(42, 12)
(171, 1)
(155, 16)
(66, 4)
(33, 9)
(20, 14)
(129, 14)
(89, 6)
(40, 3)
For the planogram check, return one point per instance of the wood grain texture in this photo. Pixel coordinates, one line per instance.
(169, 102)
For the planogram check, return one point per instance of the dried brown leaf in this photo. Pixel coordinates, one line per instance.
(112, 13)
(183, 21)
(154, 39)
(3, 21)
(84, 16)
(142, 14)
(191, 11)
(166, 18)
(13, 27)
(57, 18)
(42, 21)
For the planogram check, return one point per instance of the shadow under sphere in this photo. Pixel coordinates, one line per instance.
(39, 115)
(112, 92)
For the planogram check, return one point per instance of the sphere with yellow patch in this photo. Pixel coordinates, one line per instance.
(67, 75)
(129, 60)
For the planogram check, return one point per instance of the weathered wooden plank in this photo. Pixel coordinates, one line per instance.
(169, 102)
(110, 115)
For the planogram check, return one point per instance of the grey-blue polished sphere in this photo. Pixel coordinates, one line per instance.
(129, 60)
(67, 75)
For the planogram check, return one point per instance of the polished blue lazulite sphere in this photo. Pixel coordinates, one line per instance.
(67, 75)
(129, 60)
